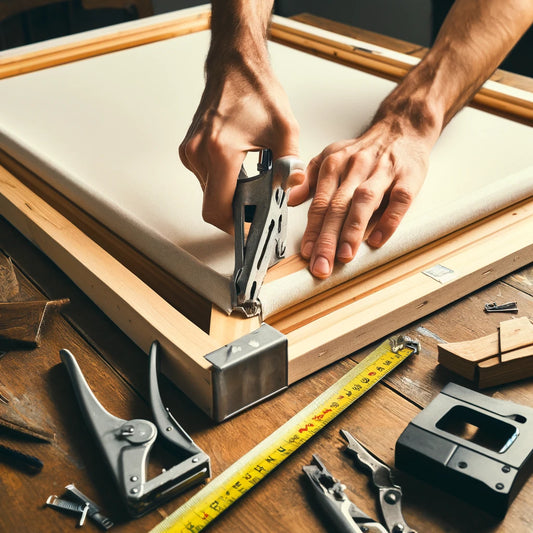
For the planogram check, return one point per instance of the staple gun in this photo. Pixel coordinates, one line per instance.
(260, 201)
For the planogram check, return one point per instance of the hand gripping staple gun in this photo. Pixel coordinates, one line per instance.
(260, 201)
(126, 444)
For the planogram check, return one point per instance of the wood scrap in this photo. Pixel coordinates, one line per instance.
(463, 357)
(515, 334)
(21, 322)
(14, 421)
(501, 357)
(493, 372)
(9, 287)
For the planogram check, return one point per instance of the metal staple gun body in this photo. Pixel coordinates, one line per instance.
(260, 201)
(126, 444)
(346, 516)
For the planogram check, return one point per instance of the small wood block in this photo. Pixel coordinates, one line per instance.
(519, 353)
(492, 372)
(463, 357)
(12, 419)
(9, 287)
(20, 322)
(515, 333)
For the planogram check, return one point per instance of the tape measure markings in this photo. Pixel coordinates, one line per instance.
(251, 468)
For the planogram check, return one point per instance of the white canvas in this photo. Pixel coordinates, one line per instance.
(104, 131)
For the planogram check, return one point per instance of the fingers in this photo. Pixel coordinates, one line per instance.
(357, 193)
(401, 198)
(296, 177)
(283, 140)
(220, 188)
(366, 201)
(338, 178)
(233, 118)
(216, 165)
(187, 152)
(299, 193)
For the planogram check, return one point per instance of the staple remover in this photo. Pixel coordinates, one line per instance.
(344, 514)
(390, 495)
(126, 444)
(261, 202)
(348, 518)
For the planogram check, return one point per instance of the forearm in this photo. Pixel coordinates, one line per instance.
(474, 39)
(243, 107)
(238, 31)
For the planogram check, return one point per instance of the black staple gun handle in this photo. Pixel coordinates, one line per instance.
(126, 444)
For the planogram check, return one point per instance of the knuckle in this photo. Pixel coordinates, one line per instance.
(287, 127)
(339, 205)
(331, 164)
(354, 225)
(215, 218)
(402, 195)
(319, 205)
(209, 215)
(366, 194)
(314, 163)
(191, 146)
(182, 151)
(212, 211)
(215, 144)
(311, 234)
(358, 159)
(393, 219)
(326, 244)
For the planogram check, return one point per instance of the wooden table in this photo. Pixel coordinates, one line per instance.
(117, 372)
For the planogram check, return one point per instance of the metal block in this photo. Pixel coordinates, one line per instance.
(248, 370)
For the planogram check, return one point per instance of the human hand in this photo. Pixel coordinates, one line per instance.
(243, 108)
(362, 189)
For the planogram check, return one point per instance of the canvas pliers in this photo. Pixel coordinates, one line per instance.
(126, 444)
(346, 516)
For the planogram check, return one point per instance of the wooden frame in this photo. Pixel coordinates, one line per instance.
(128, 287)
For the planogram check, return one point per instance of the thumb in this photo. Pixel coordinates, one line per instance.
(289, 171)
(286, 156)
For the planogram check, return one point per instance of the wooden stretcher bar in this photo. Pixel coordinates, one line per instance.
(320, 330)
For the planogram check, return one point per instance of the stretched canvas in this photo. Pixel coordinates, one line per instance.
(104, 131)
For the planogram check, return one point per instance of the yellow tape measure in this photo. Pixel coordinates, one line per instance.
(249, 470)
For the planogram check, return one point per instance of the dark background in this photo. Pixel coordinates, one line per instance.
(416, 21)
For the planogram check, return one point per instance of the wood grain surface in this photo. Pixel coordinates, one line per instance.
(116, 370)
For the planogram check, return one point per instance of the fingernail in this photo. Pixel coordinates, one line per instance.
(307, 249)
(375, 238)
(320, 267)
(345, 252)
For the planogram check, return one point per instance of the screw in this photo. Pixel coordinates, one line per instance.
(506, 468)
(135, 490)
(83, 514)
(398, 528)
(462, 464)
(134, 478)
(195, 459)
(499, 486)
(127, 430)
(169, 428)
(391, 497)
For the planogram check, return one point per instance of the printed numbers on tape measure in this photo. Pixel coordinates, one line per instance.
(248, 471)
